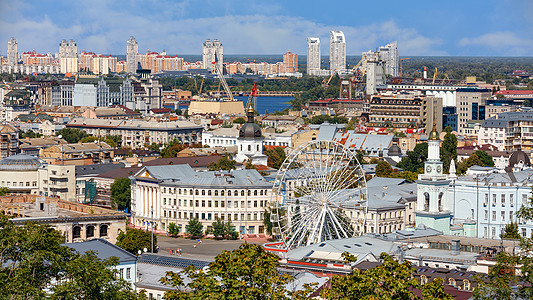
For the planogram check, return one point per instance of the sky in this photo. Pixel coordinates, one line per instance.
(272, 27)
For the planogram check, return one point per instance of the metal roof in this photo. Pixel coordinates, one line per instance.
(103, 249)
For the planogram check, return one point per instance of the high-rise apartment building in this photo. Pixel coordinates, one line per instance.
(68, 56)
(210, 50)
(313, 56)
(337, 52)
(290, 62)
(470, 106)
(132, 51)
(12, 52)
(389, 54)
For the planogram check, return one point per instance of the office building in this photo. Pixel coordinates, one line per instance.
(12, 52)
(94, 91)
(132, 51)
(313, 55)
(68, 56)
(470, 106)
(212, 51)
(337, 52)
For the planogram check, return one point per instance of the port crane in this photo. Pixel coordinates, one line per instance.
(356, 81)
(325, 83)
(222, 79)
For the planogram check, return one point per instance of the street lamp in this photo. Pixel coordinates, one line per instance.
(152, 225)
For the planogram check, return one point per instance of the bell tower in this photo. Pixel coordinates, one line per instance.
(432, 208)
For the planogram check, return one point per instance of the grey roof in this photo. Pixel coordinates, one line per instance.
(149, 276)
(21, 162)
(466, 258)
(371, 143)
(410, 233)
(360, 246)
(384, 181)
(103, 249)
(185, 175)
(302, 278)
(96, 169)
(502, 119)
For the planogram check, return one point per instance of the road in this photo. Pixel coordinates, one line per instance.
(206, 250)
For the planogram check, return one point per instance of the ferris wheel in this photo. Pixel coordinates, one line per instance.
(320, 194)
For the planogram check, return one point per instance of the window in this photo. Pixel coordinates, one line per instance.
(511, 200)
(510, 216)
(203, 192)
(486, 200)
(486, 214)
(523, 232)
(493, 232)
(503, 216)
(76, 232)
(128, 273)
(90, 231)
(121, 272)
(103, 230)
(493, 199)
(493, 216)
(209, 193)
(503, 199)
(221, 193)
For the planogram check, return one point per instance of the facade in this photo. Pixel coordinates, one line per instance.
(77, 222)
(9, 141)
(290, 62)
(68, 56)
(337, 52)
(375, 72)
(132, 51)
(78, 153)
(176, 193)
(12, 52)
(470, 106)
(313, 55)
(138, 134)
(94, 91)
(389, 54)
(510, 131)
(212, 51)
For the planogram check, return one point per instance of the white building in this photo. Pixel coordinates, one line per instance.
(210, 49)
(176, 193)
(313, 56)
(132, 52)
(102, 92)
(250, 141)
(389, 54)
(12, 52)
(337, 52)
(222, 137)
(509, 131)
(68, 56)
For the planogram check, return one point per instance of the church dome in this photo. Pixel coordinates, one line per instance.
(250, 131)
(20, 162)
(519, 157)
(394, 150)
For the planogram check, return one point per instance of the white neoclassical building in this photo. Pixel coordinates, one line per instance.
(176, 193)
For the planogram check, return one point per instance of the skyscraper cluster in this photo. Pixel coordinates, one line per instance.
(212, 51)
(337, 54)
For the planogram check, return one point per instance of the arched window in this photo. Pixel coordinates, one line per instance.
(249, 193)
(242, 193)
(229, 193)
(203, 192)
(423, 279)
(103, 230)
(440, 201)
(196, 192)
(255, 192)
(451, 281)
(221, 193)
(426, 201)
(76, 232)
(466, 285)
(261, 193)
(216, 193)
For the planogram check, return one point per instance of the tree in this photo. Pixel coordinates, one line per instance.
(245, 273)
(390, 280)
(276, 157)
(29, 134)
(32, 261)
(72, 135)
(135, 239)
(154, 147)
(414, 161)
(4, 191)
(173, 229)
(448, 149)
(511, 231)
(239, 120)
(121, 193)
(194, 228)
(225, 163)
(89, 139)
(383, 169)
(267, 222)
(92, 278)
(229, 231)
(486, 160)
(473, 160)
(218, 228)
(434, 290)
(114, 141)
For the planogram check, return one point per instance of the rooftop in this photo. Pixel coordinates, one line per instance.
(103, 249)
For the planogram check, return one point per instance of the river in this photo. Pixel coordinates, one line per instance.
(270, 104)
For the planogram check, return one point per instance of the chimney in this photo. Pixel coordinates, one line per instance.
(455, 247)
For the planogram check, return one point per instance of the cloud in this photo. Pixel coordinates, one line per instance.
(504, 42)
(104, 28)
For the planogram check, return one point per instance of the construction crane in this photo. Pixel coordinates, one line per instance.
(251, 98)
(401, 65)
(222, 79)
(435, 75)
(326, 83)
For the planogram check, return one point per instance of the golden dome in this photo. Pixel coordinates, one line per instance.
(434, 135)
